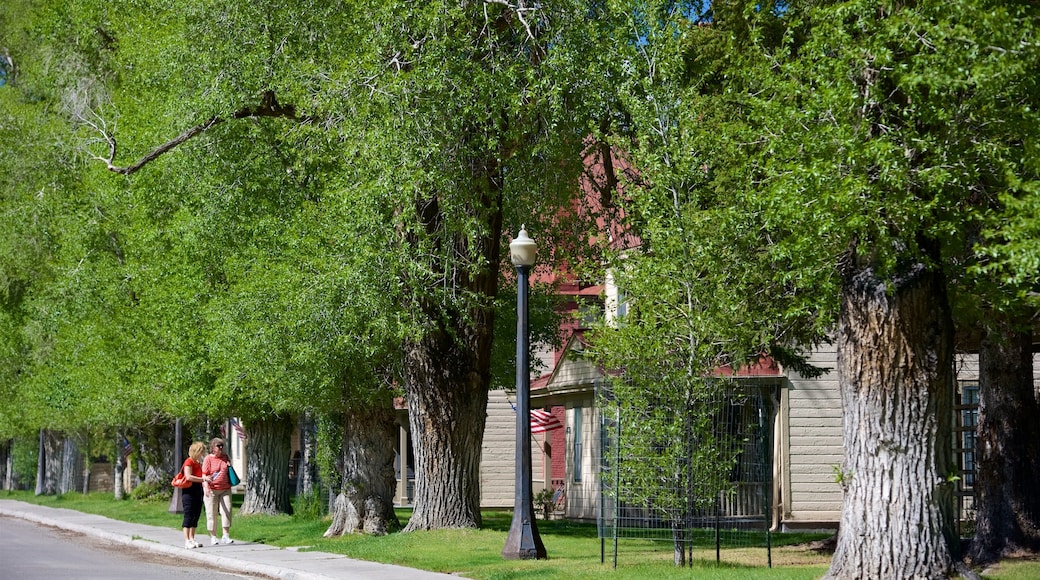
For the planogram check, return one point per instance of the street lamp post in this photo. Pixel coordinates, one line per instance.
(176, 503)
(523, 541)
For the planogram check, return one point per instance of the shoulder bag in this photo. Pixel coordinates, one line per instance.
(232, 476)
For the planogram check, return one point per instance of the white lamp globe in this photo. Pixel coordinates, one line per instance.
(522, 249)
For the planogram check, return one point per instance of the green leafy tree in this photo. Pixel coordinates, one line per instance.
(248, 134)
(823, 166)
(460, 134)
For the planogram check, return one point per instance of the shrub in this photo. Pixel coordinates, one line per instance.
(309, 506)
(152, 491)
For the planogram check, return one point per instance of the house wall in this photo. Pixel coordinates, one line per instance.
(811, 440)
(102, 478)
(582, 496)
(498, 454)
(967, 366)
(811, 446)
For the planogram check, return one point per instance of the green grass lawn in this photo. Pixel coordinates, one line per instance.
(574, 550)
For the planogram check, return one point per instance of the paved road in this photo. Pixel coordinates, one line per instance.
(248, 559)
(30, 551)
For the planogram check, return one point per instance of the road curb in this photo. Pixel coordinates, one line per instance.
(225, 562)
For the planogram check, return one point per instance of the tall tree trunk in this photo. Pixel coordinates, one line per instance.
(895, 372)
(305, 480)
(41, 464)
(365, 501)
(48, 480)
(70, 465)
(678, 543)
(447, 402)
(118, 489)
(447, 372)
(1007, 446)
(9, 477)
(6, 460)
(267, 470)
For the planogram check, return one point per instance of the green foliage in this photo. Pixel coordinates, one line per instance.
(676, 459)
(309, 506)
(152, 492)
(842, 477)
(25, 453)
(327, 448)
(543, 496)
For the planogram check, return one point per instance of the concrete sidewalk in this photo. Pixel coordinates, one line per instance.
(242, 557)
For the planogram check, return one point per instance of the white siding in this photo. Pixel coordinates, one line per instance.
(967, 366)
(813, 446)
(577, 372)
(498, 455)
(543, 360)
(582, 496)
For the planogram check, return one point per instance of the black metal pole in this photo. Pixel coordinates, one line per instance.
(523, 541)
(176, 503)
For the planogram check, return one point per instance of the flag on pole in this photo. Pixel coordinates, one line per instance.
(544, 421)
(238, 428)
(541, 421)
(127, 448)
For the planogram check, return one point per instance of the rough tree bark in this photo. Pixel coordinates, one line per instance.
(305, 479)
(118, 489)
(267, 471)
(1007, 447)
(365, 501)
(447, 404)
(70, 466)
(8, 456)
(447, 371)
(895, 365)
(48, 477)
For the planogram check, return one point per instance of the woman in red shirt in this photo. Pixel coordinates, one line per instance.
(191, 498)
(218, 490)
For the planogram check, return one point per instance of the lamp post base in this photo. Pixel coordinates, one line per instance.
(523, 541)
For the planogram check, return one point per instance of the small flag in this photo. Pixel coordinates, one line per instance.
(543, 421)
(238, 428)
(127, 448)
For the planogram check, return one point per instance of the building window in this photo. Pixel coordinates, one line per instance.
(622, 305)
(967, 410)
(579, 459)
(590, 312)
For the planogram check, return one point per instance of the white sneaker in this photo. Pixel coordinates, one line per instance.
(227, 540)
(196, 542)
(190, 545)
(213, 541)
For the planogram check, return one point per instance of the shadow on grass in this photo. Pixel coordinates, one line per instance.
(500, 520)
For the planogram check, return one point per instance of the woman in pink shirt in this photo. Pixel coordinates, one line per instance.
(218, 490)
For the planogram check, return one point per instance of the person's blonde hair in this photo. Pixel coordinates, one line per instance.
(197, 450)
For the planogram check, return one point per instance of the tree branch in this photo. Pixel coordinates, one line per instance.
(268, 107)
(519, 9)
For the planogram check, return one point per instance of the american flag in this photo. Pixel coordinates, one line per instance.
(238, 428)
(127, 448)
(543, 421)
